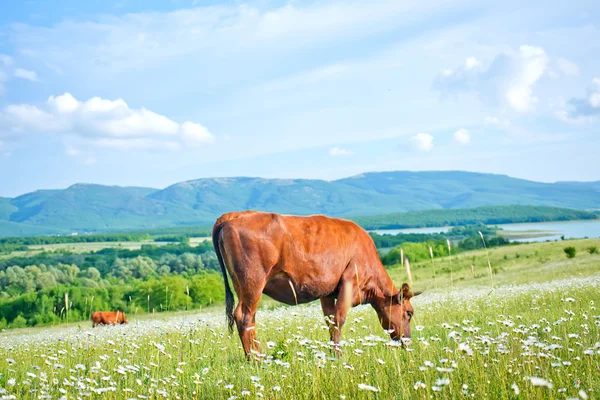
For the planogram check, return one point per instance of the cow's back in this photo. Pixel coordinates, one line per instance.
(108, 317)
(311, 253)
(314, 234)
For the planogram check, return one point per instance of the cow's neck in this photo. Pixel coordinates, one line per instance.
(382, 290)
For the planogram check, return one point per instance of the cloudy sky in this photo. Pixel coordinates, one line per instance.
(148, 93)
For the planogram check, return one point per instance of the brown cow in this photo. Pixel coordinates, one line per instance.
(300, 259)
(108, 318)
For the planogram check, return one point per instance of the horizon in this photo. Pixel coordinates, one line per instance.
(148, 93)
(260, 177)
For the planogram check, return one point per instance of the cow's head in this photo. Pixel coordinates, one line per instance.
(397, 315)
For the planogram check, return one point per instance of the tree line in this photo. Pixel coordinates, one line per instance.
(489, 215)
(151, 279)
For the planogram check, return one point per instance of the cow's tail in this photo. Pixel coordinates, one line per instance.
(228, 292)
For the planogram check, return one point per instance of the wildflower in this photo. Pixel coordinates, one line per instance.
(442, 382)
(535, 381)
(516, 389)
(363, 386)
(419, 384)
(464, 347)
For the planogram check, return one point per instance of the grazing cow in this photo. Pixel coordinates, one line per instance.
(300, 259)
(108, 318)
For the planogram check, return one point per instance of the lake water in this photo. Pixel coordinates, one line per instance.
(535, 232)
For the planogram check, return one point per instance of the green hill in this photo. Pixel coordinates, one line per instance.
(97, 208)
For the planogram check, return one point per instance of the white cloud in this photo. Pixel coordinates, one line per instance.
(196, 133)
(532, 65)
(472, 63)
(71, 151)
(422, 141)
(26, 74)
(462, 136)
(583, 109)
(134, 41)
(6, 60)
(338, 151)
(108, 123)
(63, 104)
(510, 78)
(568, 68)
(8, 71)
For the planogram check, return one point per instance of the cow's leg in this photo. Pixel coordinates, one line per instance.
(342, 305)
(328, 306)
(244, 318)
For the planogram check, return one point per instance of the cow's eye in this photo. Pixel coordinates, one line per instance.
(410, 314)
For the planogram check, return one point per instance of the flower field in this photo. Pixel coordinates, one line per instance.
(536, 340)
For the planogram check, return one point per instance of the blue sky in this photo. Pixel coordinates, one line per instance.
(148, 93)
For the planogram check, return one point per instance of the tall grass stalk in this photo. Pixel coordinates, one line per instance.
(408, 272)
(433, 265)
(187, 300)
(451, 268)
(488, 259)
(91, 307)
(166, 297)
(67, 305)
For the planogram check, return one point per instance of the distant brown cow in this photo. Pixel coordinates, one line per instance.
(300, 259)
(108, 318)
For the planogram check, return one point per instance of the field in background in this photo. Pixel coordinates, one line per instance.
(526, 263)
(536, 335)
(87, 247)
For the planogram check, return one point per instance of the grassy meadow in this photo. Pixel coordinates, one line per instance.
(535, 335)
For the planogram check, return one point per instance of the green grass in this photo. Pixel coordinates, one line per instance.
(480, 342)
(525, 263)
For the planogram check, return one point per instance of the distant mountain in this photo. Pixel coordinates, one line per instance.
(94, 208)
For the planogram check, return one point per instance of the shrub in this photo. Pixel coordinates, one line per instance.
(570, 251)
(593, 250)
(18, 322)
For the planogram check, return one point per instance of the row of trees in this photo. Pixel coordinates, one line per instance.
(18, 280)
(387, 240)
(488, 215)
(151, 279)
(104, 259)
(47, 306)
